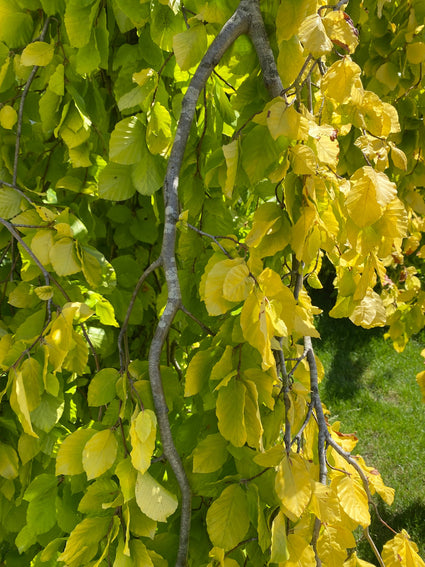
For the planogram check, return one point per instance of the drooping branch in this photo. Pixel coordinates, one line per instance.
(234, 27)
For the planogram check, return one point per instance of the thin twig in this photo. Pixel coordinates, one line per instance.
(124, 326)
(198, 321)
(297, 438)
(21, 107)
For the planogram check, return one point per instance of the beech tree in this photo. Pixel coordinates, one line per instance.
(171, 176)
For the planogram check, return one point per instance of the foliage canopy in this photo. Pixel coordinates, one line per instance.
(171, 177)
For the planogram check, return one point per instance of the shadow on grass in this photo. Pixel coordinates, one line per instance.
(410, 518)
(349, 347)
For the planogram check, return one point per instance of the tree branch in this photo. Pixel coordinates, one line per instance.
(232, 29)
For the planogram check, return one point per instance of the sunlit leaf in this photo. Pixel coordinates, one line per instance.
(153, 499)
(99, 453)
(37, 53)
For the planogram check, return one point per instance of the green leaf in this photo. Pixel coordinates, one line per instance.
(127, 476)
(190, 46)
(99, 453)
(153, 499)
(83, 542)
(127, 143)
(41, 511)
(15, 26)
(102, 387)
(228, 518)
(9, 462)
(210, 454)
(102, 491)
(115, 183)
(148, 174)
(79, 17)
(158, 131)
(48, 412)
(37, 53)
(165, 24)
(88, 57)
(10, 202)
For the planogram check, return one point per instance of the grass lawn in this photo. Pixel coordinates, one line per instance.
(372, 390)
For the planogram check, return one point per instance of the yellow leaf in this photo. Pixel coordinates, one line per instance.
(420, 379)
(376, 483)
(312, 35)
(153, 499)
(340, 79)
(289, 16)
(354, 561)
(37, 53)
(255, 329)
(69, 458)
(267, 312)
(41, 244)
(215, 275)
(237, 283)
(371, 311)
(8, 117)
(63, 257)
(19, 403)
(401, 550)
(290, 59)
(272, 457)
(324, 504)
(231, 155)
(352, 498)
(301, 230)
(230, 412)
(270, 230)
(197, 372)
(399, 157)
(370, 192)
(303, 160)
(300, 552)
(327, 148)
(143, 76)
(99, 453)
(44, 292)
(293, 485)
(284, 120)
(143, 437)
(329, 549)
(341, 31)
